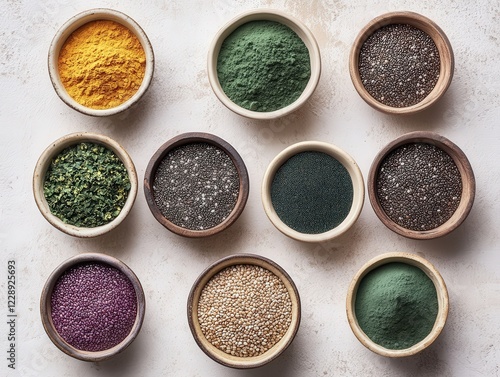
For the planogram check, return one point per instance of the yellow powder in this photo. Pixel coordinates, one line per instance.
(102, 64)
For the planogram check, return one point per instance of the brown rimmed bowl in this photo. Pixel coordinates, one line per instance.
(44, 162)
(463, 165)
(423, 23)
(79, 20)
(442, 297)
(46, 312)
(220, 356)
(191, 138)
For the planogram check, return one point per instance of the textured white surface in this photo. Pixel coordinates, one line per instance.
(180, 100)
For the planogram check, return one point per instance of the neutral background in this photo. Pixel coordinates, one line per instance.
(180, 100)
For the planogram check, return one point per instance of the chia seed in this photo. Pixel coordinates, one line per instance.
(419, 186)
(312, 192)
(196, 186)
(94, 306)
(244, 310)
(399, 65)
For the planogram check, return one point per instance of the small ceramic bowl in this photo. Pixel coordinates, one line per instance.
(463, 165)
(190, 138)
(222, 357)
(74, 23)
(44, 162)
(442, 298)
(46, 311)
(423, 23)
(268, 15)
(346, 160)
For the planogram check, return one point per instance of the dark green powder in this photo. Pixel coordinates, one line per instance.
(396, 305)
(86, 185)
(312, 192)
(263, 66)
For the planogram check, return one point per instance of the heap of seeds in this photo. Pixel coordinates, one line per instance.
(196, 186)
(94, 306)
(399, 65)
(419, 186)
(244, 310)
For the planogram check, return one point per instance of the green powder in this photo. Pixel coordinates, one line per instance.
(312, 192)
(263, 66)
(396, 305)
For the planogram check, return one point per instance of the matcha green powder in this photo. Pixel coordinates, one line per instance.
(396, 305)
(263, 66)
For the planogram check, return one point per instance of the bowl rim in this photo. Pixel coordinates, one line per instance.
(45, 306)
(44, 162)
(272, 15)
(191, 138)
(441, 291)
(340, 155)
(429, 27)
(79, 20)
(460, 160)
(219, 356)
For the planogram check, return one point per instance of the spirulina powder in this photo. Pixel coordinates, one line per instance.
(263, 66)
(312, 192)
(396, 305)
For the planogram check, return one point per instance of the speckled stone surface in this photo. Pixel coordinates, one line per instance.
(180, 100)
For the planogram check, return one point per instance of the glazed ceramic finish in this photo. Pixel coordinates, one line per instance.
(423, 23)
(269, 15)
(222, 357)
(46, 312)
(74, 23)
(442, 297)
(44, 162)
(463, 165)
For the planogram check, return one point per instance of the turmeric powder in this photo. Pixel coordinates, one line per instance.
(102, 64)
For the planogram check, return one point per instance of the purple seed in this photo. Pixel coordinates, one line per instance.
(94, 306)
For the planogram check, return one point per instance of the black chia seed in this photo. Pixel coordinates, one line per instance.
(399, 65)
(196, 186)
(419, 186)
(94, 306)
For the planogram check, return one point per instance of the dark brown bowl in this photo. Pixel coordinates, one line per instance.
(188, 138)
(463, 165)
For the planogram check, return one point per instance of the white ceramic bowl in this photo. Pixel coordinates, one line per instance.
(44, 162)
(346, 160)
(79, 20)
(270, 15)
(442, 297)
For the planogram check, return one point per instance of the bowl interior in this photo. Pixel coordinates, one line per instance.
(222, 357)
(46, 310)
(269, 15)
(429, 27)
(73, 24)
(356, 178)
(43, 164)
(466, 173)
(191, 138)
(442, 297)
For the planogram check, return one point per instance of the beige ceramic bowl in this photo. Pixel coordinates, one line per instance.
(46, 312)
(341, 156)
(43, 164)
(423, 23)
(79, 20)
(269, 15)
(222, 357)
(463, 165)
(442, 297)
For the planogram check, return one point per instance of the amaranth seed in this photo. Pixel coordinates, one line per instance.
(196, 186)
(419, 186)
(399, 65)
(94, 306)
(244, 310)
